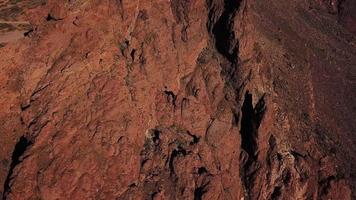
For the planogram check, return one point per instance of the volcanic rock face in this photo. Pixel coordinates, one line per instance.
(179, 99)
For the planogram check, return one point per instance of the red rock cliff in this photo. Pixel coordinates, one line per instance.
(179, 99)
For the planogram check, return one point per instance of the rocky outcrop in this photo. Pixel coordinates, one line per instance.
(206, 99)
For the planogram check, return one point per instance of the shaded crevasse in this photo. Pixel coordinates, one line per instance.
(20, 148)
(250, 122)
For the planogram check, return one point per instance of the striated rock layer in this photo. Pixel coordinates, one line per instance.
(179, 99)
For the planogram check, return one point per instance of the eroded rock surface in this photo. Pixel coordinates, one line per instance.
(179, 99)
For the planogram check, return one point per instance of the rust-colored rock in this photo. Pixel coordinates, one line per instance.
(178, 99)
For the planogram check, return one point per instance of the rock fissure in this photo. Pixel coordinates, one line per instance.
(20, 148)
(250, 122)
(223, 29)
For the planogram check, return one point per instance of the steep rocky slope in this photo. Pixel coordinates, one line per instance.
(179, 99)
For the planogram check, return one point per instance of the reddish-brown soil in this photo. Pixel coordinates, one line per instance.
(178, 99)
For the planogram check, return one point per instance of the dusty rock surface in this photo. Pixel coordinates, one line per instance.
(179, 99)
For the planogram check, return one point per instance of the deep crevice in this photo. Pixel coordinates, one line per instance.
(248, 126)
(20, 148)
(250, 122)
(222, 29)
